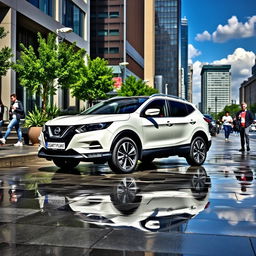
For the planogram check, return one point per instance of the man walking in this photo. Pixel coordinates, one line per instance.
(245, 119)
(16, 112)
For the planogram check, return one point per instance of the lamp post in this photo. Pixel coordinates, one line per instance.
(166, 89)
(122, 66)
(216, 101)
(59, 38)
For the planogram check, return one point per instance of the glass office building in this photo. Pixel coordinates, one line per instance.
(167, 29)
(184, 54)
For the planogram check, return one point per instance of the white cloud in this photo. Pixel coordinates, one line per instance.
(233, 30)
(192, 53)
(241, 62)
(205, 36)
(197, 67)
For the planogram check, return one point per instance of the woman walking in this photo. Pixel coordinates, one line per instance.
(227, 125)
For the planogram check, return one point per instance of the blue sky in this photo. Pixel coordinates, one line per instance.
(221, 32)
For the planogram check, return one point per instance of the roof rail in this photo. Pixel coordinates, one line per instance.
(167, 95)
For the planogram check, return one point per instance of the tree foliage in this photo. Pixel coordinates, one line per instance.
(232, 109)
(38, 68)
(96, 80)
(135, 87)
(5, 55)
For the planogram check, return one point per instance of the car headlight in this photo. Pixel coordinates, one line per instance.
(92, 127)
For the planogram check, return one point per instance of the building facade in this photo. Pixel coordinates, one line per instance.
(23, 19)
(167, 30)
(190, 83)
(184, 55)
(117, 35)
(247, 91)
(215, 88)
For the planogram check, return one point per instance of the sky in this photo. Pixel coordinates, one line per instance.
(221, 32)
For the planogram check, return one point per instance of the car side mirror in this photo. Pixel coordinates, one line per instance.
(152, 112)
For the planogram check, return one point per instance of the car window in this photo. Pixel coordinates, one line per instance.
(177, 109)
(159, 104)
(190, 108)
(116, 106)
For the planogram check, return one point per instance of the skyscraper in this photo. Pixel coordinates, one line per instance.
(167, 26)
(184, 54)
(117, 34)
(190, 83)
(215, 88)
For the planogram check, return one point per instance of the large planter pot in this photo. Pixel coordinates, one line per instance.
(33, 134)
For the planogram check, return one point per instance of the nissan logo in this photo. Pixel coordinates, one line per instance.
(56, 131)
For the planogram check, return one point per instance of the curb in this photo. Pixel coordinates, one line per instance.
(17, 160)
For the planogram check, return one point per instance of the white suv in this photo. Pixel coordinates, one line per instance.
(123, 130)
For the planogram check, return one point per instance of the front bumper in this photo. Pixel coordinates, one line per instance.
(89, 146)
(71, 154)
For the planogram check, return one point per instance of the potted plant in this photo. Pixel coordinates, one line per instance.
(34, 122)
(36, 119)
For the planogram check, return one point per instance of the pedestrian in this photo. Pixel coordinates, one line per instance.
(245, 119)
(16, 112)
(227, 124)
(1, 116)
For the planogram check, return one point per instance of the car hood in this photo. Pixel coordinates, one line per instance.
(87, 119)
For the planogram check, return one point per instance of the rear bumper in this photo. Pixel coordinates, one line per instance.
(71, 154)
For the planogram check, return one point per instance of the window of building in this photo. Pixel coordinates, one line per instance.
(103, 50)
(114, 15)
(44, 5)
(73, 17)
(102, 15)
(114, 32)
(114, 50)
(102, 33)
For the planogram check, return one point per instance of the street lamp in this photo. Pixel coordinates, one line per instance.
(166, 89)
(122, 66)
(59, 38)
(216, 101)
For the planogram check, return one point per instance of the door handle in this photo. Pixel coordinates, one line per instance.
(192, 122)
(169, 124)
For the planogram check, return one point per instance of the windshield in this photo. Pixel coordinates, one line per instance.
(116, 106)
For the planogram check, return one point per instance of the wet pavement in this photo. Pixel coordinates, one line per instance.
(165, 208)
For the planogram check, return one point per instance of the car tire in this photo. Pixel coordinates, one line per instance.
(124, 196)
(66, 164)
(197, 153)
(125, 156)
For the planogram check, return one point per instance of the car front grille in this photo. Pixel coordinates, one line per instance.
(65, 134)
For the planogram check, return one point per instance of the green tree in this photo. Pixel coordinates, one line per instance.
(96, 80)
(232, 109)
(135, 87)
(39, 69)
(5, 55)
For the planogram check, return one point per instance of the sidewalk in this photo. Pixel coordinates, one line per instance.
(11, 156)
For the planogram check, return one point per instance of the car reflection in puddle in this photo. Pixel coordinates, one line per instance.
(152, 201)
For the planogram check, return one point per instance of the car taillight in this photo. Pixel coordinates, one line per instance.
(207, 120)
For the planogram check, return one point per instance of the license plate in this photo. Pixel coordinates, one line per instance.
(55, 145)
